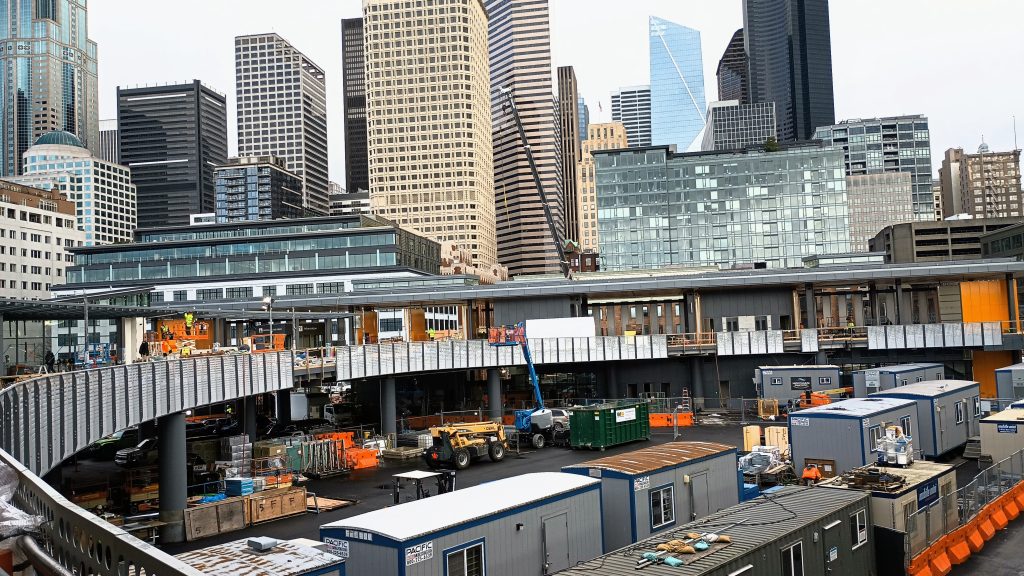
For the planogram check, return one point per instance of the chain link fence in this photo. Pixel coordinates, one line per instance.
(953, 510)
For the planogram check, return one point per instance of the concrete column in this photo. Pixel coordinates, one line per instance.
(133, 332)
(249, 417)
(494, 392)
(284, 407)
(173, 479)
(612, 381)
(1011, 301)
(389, 413)
(470, 319)
(697, 377)
(812, 309)
(900, 312)
(3, 347)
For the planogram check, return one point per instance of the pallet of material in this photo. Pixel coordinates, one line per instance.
(320, 504)
(402, 453)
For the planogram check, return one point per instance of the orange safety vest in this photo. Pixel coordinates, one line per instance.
(812, 473)
(165, 346)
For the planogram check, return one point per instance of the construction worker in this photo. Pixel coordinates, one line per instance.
(189, 321)
(165, 346)
(811, 475)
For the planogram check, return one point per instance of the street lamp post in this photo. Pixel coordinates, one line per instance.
(268, 305)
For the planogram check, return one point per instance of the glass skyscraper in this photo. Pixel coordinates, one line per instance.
(48, 78)
(678, 104)
(656, 208)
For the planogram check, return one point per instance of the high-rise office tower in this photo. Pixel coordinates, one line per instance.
(678, 104)
(632, 106)
(875, 201)
(102, 191)
(983, 185)
(608, 136)
(892, 144)
(569, 122)
(353, 66)
(429, 130)
(789, 55)
(172, 137)
(732, 71)
(282, 111)
(584, 112)
(520, 60)
(732, 126)
(257, 188)
(110, 145)
(48, 80)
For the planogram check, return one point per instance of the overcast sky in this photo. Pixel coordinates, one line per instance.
(958, 63)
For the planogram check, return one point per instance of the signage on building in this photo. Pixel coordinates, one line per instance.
(1006, 428)
(799, 421)
(625, 415)
(337, 546)
(641, 483)
(800, 383)
(927, 493)
(419, 553)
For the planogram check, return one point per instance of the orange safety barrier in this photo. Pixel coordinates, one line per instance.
(665, 420)
(359, 458)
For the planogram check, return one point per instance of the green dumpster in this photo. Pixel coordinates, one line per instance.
(610, 424)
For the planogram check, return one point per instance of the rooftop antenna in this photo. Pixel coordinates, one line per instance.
(1015, 132)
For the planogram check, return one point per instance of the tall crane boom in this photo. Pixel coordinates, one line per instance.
(511, 105)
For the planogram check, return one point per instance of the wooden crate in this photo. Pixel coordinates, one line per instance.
(214, 518)
(273, 504)
(777, 436)
(751, 437)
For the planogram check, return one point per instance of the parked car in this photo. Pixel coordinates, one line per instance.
(106, 448)
(560, 419)
(139, 455)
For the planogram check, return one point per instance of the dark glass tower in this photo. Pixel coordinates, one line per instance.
(789, 54)
(732, 71)
(357, 176)
(172, 137)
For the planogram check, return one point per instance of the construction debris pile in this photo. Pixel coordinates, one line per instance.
(873, 478)
(682, 551)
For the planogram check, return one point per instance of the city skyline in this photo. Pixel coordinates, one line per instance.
(603, 66)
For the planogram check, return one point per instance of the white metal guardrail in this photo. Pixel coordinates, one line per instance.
(45, 420)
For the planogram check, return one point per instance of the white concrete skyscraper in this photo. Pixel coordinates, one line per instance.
(428, 120)
(282, 111)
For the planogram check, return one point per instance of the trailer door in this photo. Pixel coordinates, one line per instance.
(833, 541)
(556, 543)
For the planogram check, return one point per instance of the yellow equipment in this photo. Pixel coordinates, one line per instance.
(456, 445)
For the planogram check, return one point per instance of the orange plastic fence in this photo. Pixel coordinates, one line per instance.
(957, 546)
(665, 420)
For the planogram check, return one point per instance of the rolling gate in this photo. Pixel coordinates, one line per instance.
(949, 412)
(796, 530)
(523, 525)
(841, 436)
(883, 378)
(654, 489)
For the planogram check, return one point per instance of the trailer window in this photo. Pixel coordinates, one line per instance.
(825, 380)
(977, 406)
(793, 560)
(663, 510)
(958, 412)
(466, 562)
(859, 528)
(776, 382)
(876, 435)
(905, 425)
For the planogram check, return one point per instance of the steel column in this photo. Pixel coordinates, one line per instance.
(389, 414)
(173, 480)
(494, 392)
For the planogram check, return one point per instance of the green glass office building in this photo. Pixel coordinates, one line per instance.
(657, 208)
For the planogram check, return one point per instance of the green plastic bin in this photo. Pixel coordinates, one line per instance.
(604, 425)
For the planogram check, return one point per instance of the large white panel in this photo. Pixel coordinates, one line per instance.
(628, 347)
(809, 340)
(895, 337)
(992, 333)
(358, 362)
(505, 355)
(581, 349)
(972, 334)
(430, 353)
(372, 355)
(724, 343)
(775, 342)
(611, 347)
(954, 335)
(741, 343)
(460, 351)
(596, 346)
(933, 337)
(915, 336)
(565, 350)
(758, 342)
(660, 347)
(445, 357)
(400, 352)
(387, 358)
(417, 356)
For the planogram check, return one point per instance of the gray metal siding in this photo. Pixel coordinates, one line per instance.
(888, 380)
(1004, 382)
(509, 552)
(616, 514)
(369, 558)
(847, 441)
(784, 391)
(938, 432)
(769, 302)
(508, 312)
